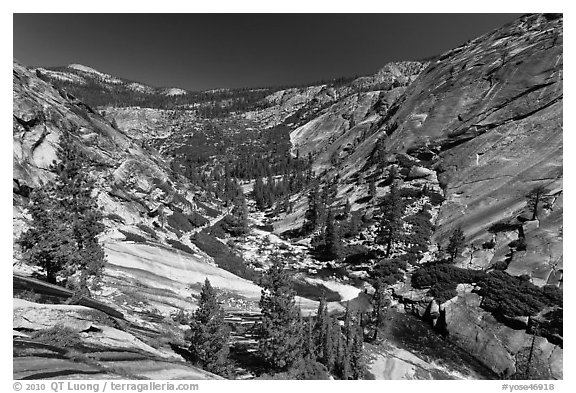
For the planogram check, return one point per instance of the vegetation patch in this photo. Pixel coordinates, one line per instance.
(208, 210)
(180, 246)
(436, 199)
(503, 227)
(390, 271)
(442, 279)
(223, 255)
(502, 293)
(357, 254)
(148, 230)
(516, 296)
(186, 222)
(59, 336)
(314, 291)
(133, 237)
(115, 217)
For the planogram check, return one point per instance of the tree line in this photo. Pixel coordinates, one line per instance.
(289, 345)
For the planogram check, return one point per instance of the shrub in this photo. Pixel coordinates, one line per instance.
(115, 217)
(519, 244)
(431, 274)
(409, 193)
(180, 222)
(515, 296)
(186, 222)
(436, 199)
(500, 265)
(148, 230)
(503, 227)
(357, 254)
(197, 219)
(489, 245)
(552, 325)
(59, 336)
(180, 317)
(302, 369)
(223, 256)
(390, 271)
(443, 278)
(231, 225)
(404, 161)
(180, 246)
(421, 232)
(443, 291)
(133, 237)
(29, 295)
(209, 211)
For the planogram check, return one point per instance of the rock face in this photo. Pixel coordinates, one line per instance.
(138, 194)
(92, 348)
(498, 346)
(490, 112)
(135, 184)
(484, 123)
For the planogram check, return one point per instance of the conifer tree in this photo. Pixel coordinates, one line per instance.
(66, 222)
(391, 221)
(239, 216)
(309, 350)
(356, 346)
(533, 198)
(342, 361)
(279, 330)
(372, 188)
(334, 246)
(49, 243)
(347, 208)
(208, 334)
(331, 344)
(312, 215)
(379, 308)
(320, 327)
(455, 244)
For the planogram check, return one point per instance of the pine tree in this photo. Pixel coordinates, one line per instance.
(312, 213)
(208, 334)
(391, 221)
(66, 222)
(279, 330)
(356, 345)
(309, 350)
(372, 188)
(347, 208)
(49, 243)
(239, 216)
(455, 244)
(321, 330)
(533, 199)
(331, 344)
(379, 308)
(334, 246)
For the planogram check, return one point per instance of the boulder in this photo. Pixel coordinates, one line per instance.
(419, 172)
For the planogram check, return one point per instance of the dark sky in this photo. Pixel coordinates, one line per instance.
(204, 51)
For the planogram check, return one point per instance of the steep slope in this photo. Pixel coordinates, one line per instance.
(490, 115)
(152, 267)
(482, 125)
